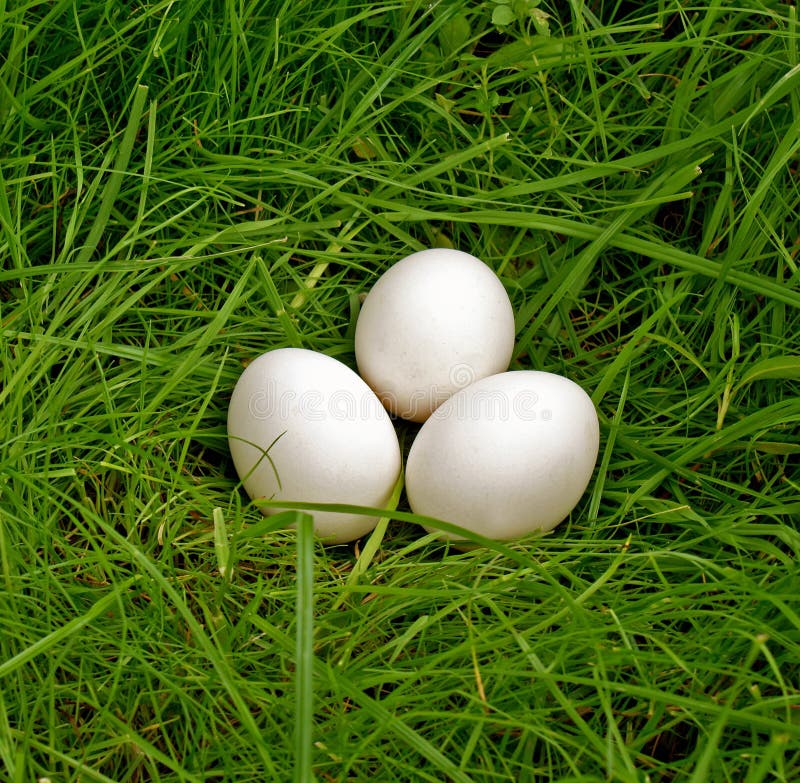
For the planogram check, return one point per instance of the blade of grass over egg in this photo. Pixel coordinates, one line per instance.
(404, 516)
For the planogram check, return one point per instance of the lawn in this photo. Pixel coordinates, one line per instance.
(187, 184)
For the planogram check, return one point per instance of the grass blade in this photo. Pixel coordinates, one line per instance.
(304, 651)
(65, 631)
(114, 183)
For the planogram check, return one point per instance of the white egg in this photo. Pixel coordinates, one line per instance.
(509, 455)
(433, 323)
(304, 427)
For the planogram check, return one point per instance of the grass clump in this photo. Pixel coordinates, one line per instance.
(187, 185)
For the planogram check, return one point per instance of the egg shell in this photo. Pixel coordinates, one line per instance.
(433, 323)
(326, 436)
(509, 455)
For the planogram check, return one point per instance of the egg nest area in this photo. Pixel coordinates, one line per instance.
(185, 186)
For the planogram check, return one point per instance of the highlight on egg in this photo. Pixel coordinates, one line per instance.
(433, 323)
(302, 426)
(509, 455)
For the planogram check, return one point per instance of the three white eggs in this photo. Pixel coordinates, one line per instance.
(500, 453)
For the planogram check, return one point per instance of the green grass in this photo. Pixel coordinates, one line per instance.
(184, 185)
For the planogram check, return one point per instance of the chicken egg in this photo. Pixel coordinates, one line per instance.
(509, 455)
(302, 426)
(433, 323)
